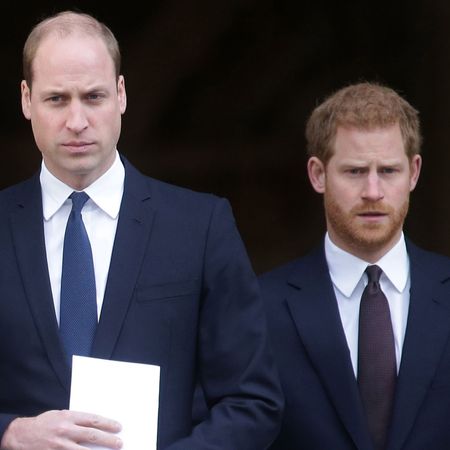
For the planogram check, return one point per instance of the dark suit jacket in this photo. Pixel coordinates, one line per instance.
(323, 409)
(180, 294)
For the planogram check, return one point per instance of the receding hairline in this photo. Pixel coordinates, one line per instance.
(65, 24)
(66, 21)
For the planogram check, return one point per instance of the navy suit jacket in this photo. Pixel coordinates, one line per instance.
(180, 294)
(323, 410)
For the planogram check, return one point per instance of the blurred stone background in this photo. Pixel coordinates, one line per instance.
(219, 92)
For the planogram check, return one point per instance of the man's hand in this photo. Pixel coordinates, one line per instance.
(62, 430)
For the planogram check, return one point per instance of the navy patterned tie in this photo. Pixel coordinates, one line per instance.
(377, 370)
(78, 315)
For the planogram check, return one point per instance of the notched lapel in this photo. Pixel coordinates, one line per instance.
(132, 235)
(28, 237)
(427, 334)
(314, 310)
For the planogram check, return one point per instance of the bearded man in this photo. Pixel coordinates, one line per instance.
(361, 326)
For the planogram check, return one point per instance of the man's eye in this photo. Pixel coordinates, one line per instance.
(94, 97)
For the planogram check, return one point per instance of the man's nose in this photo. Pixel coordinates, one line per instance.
(76, 118)
(373, 189)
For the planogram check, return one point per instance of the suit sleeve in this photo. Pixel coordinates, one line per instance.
(236, 368)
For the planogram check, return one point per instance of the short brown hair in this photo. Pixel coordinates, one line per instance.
(364, 106)
(63, 24)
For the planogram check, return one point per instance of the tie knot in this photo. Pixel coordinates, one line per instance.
(78, 200)
(374, 273)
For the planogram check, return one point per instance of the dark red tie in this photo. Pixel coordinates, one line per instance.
(377, 370)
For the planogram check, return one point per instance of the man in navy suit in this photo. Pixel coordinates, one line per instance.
(174, 286)
(363, 143)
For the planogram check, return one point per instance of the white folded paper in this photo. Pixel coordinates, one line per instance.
(125, 392)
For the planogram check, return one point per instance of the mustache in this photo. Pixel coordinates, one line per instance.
(372, 208)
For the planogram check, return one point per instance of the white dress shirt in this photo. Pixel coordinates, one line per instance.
(349, 281)
(100, 215)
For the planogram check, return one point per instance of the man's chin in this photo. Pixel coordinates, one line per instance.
(373, 237)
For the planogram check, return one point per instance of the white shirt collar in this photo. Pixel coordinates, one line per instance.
(346, 269)
(106, 192)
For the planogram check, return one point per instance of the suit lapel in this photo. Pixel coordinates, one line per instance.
(427, 332)
(133, 231)
(28, 238)
(314, 310)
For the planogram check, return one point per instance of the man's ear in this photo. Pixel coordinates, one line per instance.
(316, 173)
(26, 99)
(122, 94)
(415, 166)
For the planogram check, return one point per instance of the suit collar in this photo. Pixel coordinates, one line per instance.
(314, 310)
(132, 235)
(427, 333)
(28, 238)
